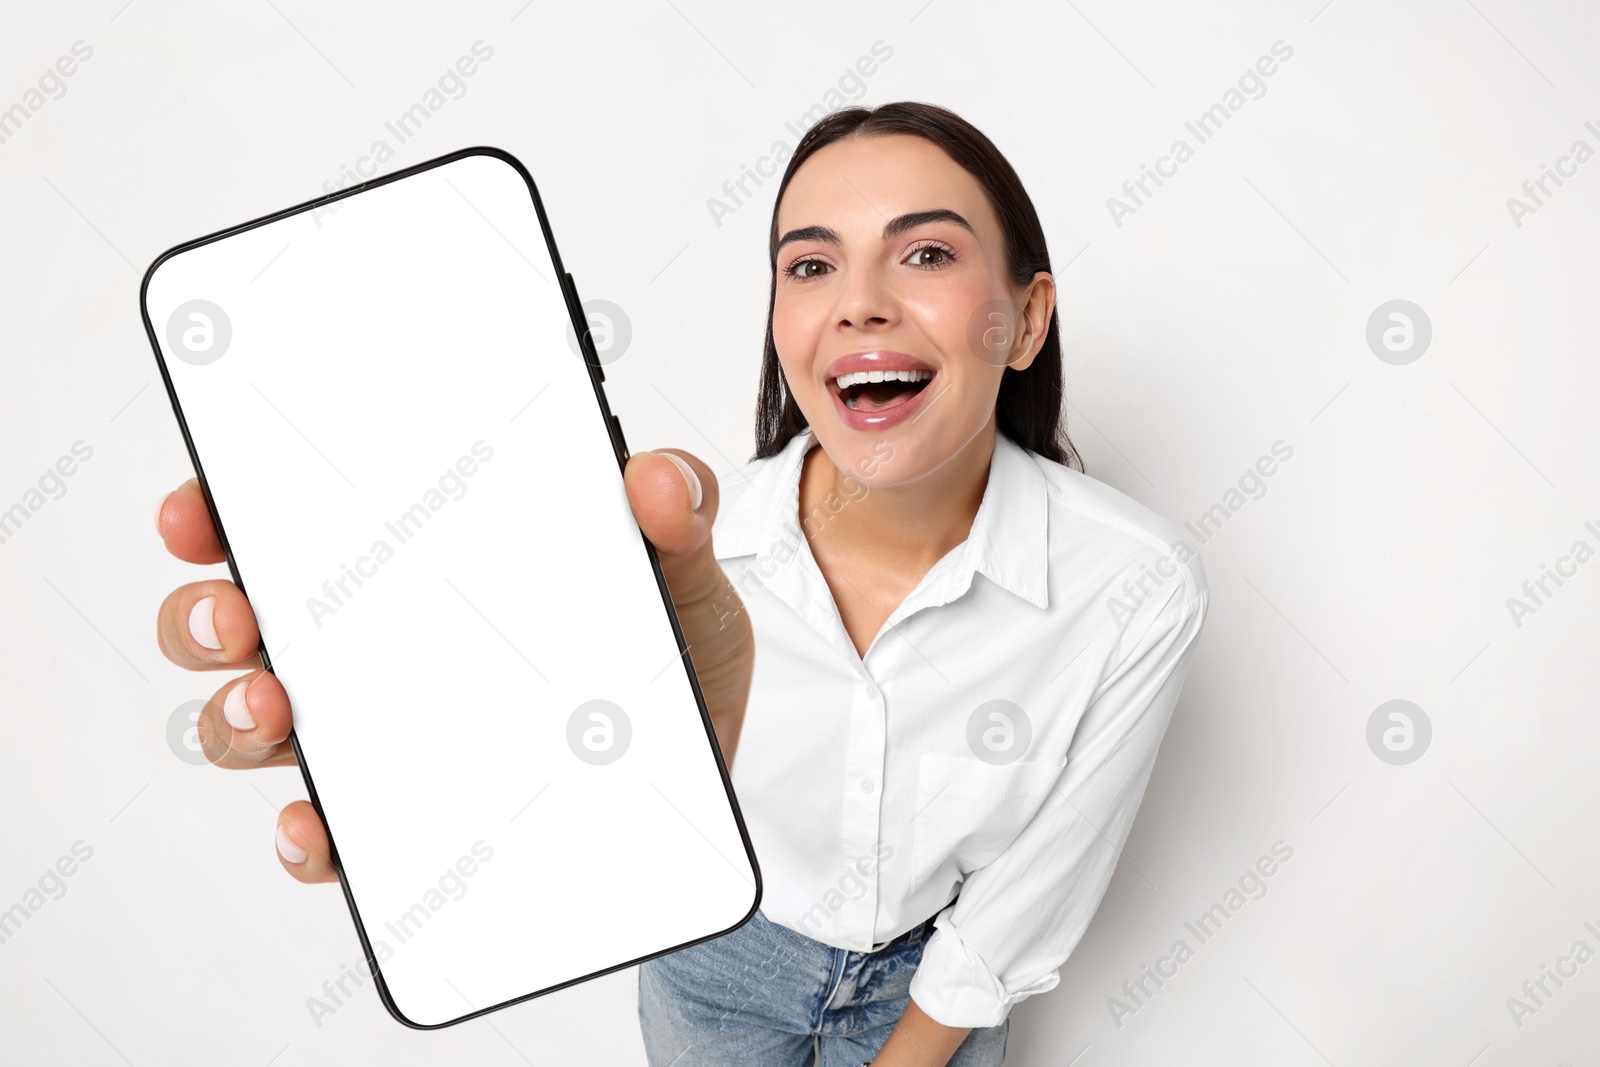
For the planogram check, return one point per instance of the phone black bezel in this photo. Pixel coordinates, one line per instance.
(591, 359)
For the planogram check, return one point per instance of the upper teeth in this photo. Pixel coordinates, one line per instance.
(861, 377)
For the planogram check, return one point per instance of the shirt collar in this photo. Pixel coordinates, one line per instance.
(1008, 542)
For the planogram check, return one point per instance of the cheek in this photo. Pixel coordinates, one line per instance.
(795, 334)
(974, 388)
(947, 319)
(947, 315)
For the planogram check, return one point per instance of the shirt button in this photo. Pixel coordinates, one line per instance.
(866, 785)
(860, 943)
(872, 691)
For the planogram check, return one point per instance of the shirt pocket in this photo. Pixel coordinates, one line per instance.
(968, 811)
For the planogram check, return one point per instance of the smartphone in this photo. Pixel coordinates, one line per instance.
(397, 414)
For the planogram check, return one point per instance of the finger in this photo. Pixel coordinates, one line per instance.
(302, 844)
(207, 626)
(246, 723)
(186, 527)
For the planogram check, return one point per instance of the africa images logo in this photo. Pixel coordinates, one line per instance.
(198, 332)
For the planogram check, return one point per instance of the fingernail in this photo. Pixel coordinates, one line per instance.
(689, 476)
(161, 505)
(203, 623)
(289, 850)
(236, 711)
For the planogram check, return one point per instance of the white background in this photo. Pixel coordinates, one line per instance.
(1227, 314)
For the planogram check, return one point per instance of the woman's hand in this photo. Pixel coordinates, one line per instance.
(918, 1041)
(675, 512)
(209, 626)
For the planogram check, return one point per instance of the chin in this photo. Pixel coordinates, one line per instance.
(887, 459)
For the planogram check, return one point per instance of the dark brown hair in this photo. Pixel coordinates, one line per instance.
(1030, 407)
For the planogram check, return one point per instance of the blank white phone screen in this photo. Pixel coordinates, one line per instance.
(418, 488)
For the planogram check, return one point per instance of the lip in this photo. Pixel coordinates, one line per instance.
(874, 359)
(878, 359)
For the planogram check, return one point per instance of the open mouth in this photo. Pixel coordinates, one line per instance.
(879, 390)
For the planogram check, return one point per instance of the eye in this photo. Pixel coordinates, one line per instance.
(931, 256)
(798, 270)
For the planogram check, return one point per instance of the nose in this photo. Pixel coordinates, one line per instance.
(866, 299)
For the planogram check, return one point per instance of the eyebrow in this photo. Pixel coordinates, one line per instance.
(893, 228)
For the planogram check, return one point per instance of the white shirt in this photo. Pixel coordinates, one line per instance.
(876, 788)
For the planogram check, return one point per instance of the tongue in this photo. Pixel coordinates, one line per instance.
(876, 396)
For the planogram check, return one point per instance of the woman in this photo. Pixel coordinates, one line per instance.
(969, 650)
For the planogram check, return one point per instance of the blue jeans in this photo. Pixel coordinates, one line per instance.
(767, 996)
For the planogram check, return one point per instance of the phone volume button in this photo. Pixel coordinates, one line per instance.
(616, 424)
(571, 288)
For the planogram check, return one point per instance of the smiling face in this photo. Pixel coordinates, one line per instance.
(894, 314)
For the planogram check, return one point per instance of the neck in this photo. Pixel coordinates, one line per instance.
(913, 524)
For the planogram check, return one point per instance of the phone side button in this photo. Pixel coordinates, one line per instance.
(616, 424)
(571, 287)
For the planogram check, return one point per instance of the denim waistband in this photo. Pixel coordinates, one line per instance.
(921, 932)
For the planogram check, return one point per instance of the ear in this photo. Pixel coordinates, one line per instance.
(1038, 304)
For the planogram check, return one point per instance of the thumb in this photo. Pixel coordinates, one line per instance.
(674, 497)
(674, 500)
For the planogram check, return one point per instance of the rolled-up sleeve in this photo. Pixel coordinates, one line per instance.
(1018, 918)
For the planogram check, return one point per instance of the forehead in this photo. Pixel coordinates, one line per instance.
(859, 182)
